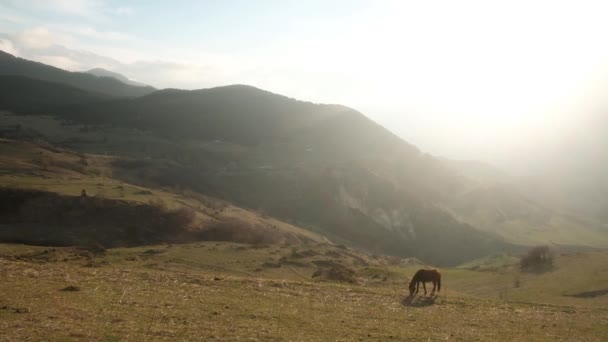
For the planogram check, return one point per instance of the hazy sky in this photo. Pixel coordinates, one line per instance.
(463, 79)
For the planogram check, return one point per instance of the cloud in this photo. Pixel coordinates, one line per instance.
(8, 47)
(85, 8)
(124, 10)
(36, 38)
(173, 74)
(37, 45)
(75, 7)
(103, 35)
(92, 10)
(9, 18)
(41, 37)
(41, 45)
(61, 62)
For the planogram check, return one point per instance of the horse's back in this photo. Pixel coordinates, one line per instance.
(427, 274)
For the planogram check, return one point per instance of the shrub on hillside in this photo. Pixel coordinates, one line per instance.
(393, 260)
(538, 259)
(159, 204)
(181, 217)
(237, 230)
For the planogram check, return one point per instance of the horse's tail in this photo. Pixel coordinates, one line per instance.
(438, 282)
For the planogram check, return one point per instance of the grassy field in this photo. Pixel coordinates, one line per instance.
(227, 291)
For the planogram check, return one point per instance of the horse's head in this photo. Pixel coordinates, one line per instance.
(412, 288)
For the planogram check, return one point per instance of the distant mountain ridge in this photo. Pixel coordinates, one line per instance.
(11, 65)
(100, 72)
(246, 115)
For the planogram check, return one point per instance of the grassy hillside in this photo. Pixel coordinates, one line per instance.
(11, 65)
(224, 291)
(503, 210)
(40, 188)
(561, 205)
(368, 211)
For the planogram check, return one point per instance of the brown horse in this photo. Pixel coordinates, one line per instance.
(423, 276)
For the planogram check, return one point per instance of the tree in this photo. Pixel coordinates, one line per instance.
(538, 259)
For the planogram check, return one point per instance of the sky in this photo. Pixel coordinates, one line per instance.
(488, 80)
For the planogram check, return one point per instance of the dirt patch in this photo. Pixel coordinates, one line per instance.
(55, 255)
(271, 264)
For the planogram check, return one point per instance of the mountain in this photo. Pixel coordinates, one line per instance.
(330, 167)
(27, 95)
(11, 65)
(248, 116)
(100, 72)
(477, 171)
(327, 168)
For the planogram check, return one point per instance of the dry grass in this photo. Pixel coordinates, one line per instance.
(208, 291)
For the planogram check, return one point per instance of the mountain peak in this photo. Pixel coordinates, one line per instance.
(100, 72)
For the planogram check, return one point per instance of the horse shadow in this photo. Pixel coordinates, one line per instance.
(419, 301)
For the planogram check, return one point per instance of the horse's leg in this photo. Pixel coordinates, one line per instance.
(417, 287)
(424, 285)
(434, 287)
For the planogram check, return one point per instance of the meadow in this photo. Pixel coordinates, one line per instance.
(227, 291)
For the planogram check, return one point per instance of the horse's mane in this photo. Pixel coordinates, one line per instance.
(415, 278)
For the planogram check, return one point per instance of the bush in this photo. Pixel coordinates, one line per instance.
(539, 258)
(393, 261)
(158, 203)
(182, 217)
(237, 230)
